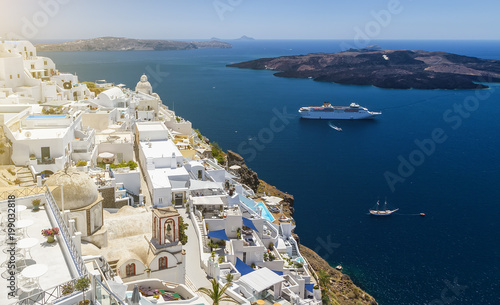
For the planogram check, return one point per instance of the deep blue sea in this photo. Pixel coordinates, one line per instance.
(450, 256)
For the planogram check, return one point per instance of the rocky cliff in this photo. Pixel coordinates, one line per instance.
(340, 288)
(397, 69)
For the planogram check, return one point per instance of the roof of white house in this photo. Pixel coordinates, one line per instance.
(202, 185)
(111, 94)
(150, 126)
(195, 163)
(160, 176)
(207, 200)
(261, 279)
(40, 133)
(160, 149)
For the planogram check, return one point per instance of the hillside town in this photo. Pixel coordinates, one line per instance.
(133, 206)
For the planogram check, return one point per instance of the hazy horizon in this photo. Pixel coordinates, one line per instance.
(231, 19)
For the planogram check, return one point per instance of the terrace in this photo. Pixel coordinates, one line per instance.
(54, 263)
(154, 291)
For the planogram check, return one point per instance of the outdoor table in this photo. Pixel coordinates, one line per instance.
(19, 209)
(23, 224)
(26, 244)
(34, 272)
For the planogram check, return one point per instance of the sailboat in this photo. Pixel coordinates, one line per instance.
(384, 212)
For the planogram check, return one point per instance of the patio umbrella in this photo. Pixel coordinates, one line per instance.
(136, 295)
(106, 155)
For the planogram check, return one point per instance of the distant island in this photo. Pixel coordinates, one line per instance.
(128, 44)
(395, 69)
(244, 37)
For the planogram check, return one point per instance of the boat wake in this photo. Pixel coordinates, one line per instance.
(334, 127)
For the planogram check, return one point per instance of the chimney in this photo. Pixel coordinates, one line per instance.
(173, 161)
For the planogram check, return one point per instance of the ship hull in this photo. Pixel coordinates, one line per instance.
(336, 113)
(382, 212)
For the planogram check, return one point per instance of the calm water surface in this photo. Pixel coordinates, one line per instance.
(337, 176)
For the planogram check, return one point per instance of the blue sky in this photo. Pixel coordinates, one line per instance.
(270, 19)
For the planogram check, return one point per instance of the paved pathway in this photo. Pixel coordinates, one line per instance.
(195, 275)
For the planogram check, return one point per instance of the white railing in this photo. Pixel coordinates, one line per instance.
(75, 255)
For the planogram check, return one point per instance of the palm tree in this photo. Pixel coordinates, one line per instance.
(217, 293)
(229, 278)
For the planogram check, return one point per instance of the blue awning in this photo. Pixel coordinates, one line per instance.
(278, 272)
(220, 234)
(249, 223)
(242, 267)
(309, 287)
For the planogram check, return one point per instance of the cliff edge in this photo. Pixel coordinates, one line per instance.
(393, 69)
(340, 290)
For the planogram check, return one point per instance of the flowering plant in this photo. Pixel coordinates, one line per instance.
(50, 232)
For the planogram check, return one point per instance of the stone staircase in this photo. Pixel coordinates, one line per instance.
(191, 286)
(27, 180)
(295, 253)
(200, 226)
(113, 266)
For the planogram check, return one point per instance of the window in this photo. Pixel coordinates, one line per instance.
(154, 228)
(18, 76)
(32, 66)
(119, 156)
(162, 263)
(200, 174)
(130, 270)
(45, 62)
(11, 76)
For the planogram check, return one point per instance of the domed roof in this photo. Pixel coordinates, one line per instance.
(78, 188)
(144, 86)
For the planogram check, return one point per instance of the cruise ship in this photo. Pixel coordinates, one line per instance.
(329, 112)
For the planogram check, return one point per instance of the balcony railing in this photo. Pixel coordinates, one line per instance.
(75, 255)
(41, 161)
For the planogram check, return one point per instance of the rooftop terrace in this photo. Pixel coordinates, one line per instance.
(60, 258)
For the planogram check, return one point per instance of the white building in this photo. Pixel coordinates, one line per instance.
(162, 164)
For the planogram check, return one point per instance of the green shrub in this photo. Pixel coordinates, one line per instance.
(131, 164)
(182, 231)
(199, 134)
(81, 163)
(217, 152)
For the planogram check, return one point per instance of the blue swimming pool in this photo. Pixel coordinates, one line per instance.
(48, 116)
(265, 212)
(299, 260)
(253, 206)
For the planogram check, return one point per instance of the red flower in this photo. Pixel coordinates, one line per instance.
(50, 232)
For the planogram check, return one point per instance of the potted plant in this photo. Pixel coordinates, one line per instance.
(50, 233)
(36, 204)
(82, 285)
(67, 288)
